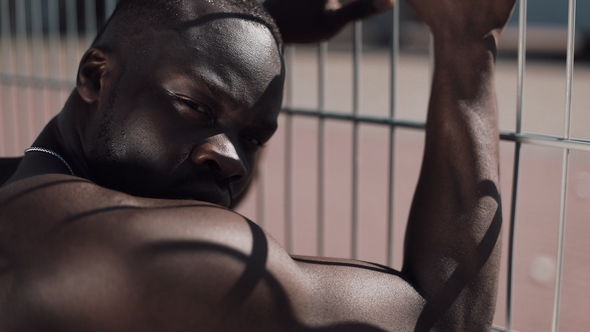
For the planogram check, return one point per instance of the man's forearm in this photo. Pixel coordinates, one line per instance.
(452, 241)
(462, 120)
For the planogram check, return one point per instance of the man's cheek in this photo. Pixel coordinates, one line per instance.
(146, 144)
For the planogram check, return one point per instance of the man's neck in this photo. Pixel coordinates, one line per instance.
(67, 133)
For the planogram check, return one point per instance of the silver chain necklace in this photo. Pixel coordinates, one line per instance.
(53, 153)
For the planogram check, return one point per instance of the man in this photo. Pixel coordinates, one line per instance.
(116, 219)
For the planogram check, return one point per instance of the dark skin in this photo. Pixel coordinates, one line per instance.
(78, 256)
(307, 21)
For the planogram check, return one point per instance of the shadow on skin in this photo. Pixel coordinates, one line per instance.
(255, 272)
(442, 302)
(377, 267)
(40, 187)
(80, 216)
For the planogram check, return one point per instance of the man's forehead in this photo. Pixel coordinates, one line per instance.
(226, 29)
(232, 48)
(194, 14)
(244, 36)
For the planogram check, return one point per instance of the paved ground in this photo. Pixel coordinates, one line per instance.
(23, 112)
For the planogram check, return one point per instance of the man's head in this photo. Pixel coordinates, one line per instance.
(181, 96)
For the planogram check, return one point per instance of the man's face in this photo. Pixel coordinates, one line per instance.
(188, 116)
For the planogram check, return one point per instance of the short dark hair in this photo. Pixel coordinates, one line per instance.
(132, 18)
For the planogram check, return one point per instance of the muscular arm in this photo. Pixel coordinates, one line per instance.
(453, 235)
(452, 247)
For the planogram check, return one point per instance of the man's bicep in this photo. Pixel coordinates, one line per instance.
(359, 296)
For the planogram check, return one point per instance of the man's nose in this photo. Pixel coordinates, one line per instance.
(219, 154)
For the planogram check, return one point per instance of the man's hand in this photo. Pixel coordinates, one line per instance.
(308, 21)
(464, 19)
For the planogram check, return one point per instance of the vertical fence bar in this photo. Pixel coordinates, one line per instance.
(38, 50)
(54, 48)
(22, 66)
(431, 56)
(37, 37)
(109, 7)
(72, 38)
(322, 53)
(516, 168)
(7, 73)
(357, 49)
(290, 61)
(260, 196)
(565, 167)
(6, 67)
(392, 100)
(90, 21)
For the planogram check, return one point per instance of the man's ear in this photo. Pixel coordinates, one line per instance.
(92, 68)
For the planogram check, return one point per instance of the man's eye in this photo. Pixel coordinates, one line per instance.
(253, 140)
(196, 107)
(193, 109)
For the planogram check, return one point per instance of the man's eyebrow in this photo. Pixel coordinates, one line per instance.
(224, 97)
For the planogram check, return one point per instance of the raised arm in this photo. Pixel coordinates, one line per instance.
(452, 247)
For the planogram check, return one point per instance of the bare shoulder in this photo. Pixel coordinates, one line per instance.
(75, 254)
(78, 255)
(59, 202)
(71, 208)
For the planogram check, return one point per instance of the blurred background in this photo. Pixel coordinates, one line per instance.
(344, 163)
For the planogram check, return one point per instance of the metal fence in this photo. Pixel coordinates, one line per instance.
(42, 42)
